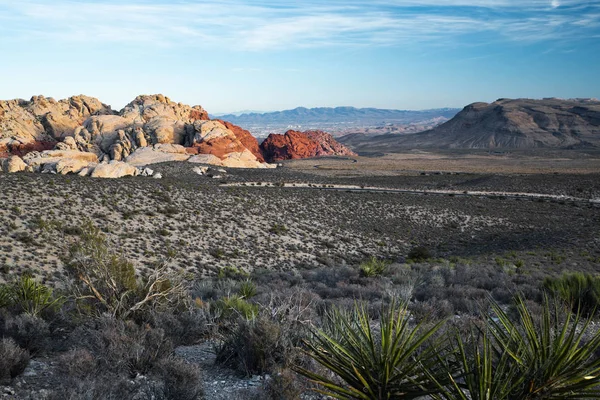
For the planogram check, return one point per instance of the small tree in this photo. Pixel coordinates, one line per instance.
(106, 281)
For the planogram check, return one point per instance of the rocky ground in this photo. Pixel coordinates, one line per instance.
(291, 227)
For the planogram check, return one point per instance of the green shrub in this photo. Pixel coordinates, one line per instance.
(231, 272)
(385, 362)
(28, 296)
(247, 289)
(234, 306)
(581, 291)
(373, 267)
(278, 229)
(13, 359)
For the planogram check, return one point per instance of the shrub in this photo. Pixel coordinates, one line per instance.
(581, 291)
(105, 281)
(419, 254)
(278, 229)
(184, 328)
(123, 347)
(373, 267)
(181, 381)
(78, 363)
(383, 362)
(230, 272)
(29, 332)
(256, 347)
(247, 289)
(234, 306)
(13, 359)
(283, 385)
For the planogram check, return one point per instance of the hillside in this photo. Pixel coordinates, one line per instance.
(505, 123)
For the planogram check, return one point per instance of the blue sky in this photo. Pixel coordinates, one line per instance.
(230, 55)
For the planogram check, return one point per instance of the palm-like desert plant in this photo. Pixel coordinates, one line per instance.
(373, 267)
(384, 361)
(554, 357)
(580, 290)
(28, 296)
(528, 358)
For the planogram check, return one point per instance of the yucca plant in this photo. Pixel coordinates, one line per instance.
(484, 372)
(4, 296)
(557, 359)
(30, 296)
(247, 289)
(525, 358)
(373, 267)
(581, 291)
(389, 360)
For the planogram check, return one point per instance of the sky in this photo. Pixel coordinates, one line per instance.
(232, 55)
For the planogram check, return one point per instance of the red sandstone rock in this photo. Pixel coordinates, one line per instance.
(246, 138)
(199, 115)
(24, 148)
(295, 145)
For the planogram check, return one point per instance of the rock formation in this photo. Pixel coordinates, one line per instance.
(82, 135)
(294, 145)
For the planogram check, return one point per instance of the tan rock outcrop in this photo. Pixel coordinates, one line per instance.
(49, 160)
(114, 169)
(70, 165)
(14, 164)
(83, 124)
(45, 119)
(157, 154)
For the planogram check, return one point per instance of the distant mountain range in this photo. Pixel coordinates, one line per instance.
(303, 115)
(335, 119)
(505, 123)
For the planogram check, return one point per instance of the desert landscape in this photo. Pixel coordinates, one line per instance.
(413, 215)
(489, 226)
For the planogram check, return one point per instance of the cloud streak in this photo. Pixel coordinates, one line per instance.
(273, 25)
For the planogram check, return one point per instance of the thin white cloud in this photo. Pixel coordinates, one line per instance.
(264, 25)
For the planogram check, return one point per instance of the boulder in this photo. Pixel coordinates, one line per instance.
(205, 159)
(156, 154)
(14, 164)
(147, 172)
(200, 170)
(70, 165)
(37, 160)
(114, 169)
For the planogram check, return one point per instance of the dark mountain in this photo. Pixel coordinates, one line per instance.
(505, 123)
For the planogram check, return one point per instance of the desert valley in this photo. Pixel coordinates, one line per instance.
(156, 253)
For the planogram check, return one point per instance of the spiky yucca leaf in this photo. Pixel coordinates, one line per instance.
(555, 358)
(527, 359)
(390, 362)
(485, 372)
